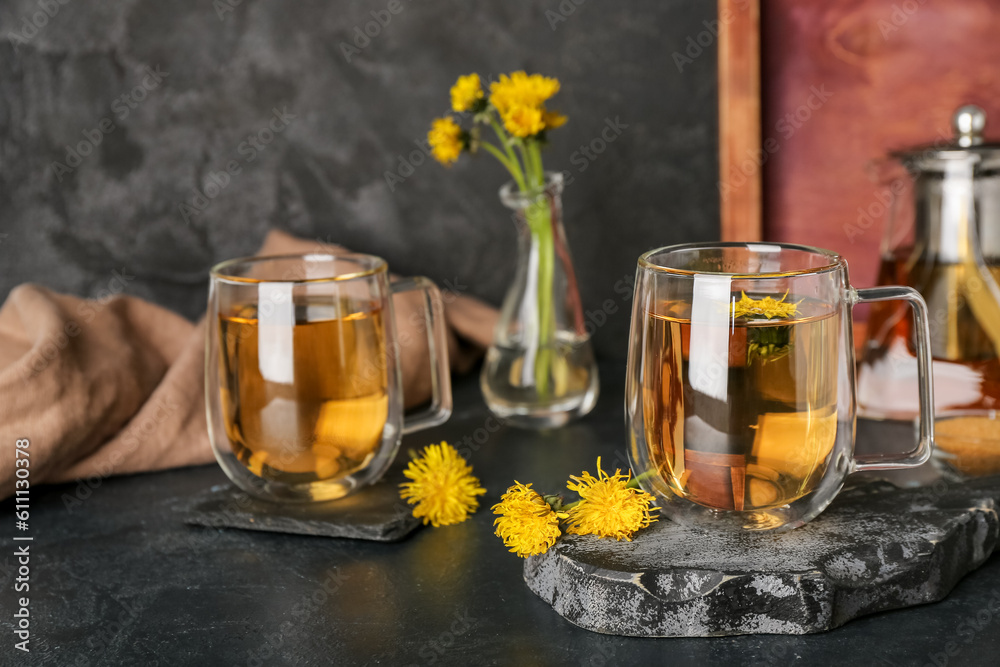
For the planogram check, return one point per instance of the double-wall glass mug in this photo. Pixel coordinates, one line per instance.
(302, 376)
(741, 391)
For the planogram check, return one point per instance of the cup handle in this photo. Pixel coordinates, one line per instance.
(925, 379)
(437, 345)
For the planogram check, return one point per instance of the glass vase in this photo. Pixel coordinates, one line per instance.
(540, 370)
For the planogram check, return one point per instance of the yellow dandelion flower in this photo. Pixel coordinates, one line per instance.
(523, 121)
(767, 307)
(520, 89)
(466, 91)
(443, 487)
(608, 507)
(527, 524)
(553, 119)
(445, 138)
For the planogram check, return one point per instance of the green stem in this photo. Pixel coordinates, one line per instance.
(513, 166)
(538, 215)
(528, 166)
(539, 219)
(529, 175)
(536, 155)
(495, 152)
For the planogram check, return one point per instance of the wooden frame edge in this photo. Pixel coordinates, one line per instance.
(740, 185)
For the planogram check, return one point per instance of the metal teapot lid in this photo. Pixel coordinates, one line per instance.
(968, 146)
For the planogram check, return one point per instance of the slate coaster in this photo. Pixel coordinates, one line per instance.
(873, 549)
(374, 513)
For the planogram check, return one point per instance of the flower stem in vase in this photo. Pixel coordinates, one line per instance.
(540, 221)
(540, 370)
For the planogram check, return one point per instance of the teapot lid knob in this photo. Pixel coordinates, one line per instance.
(969, 122)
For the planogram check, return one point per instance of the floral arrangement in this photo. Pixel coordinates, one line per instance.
(517, 114)
(443, 490)
(516, 111)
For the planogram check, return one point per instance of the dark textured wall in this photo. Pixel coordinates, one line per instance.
(172, 88)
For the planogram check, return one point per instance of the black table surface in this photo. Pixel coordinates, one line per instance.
(119, 579)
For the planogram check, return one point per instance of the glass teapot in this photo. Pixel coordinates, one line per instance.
(942, 239)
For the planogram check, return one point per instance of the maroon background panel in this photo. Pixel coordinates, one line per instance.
(845, 81)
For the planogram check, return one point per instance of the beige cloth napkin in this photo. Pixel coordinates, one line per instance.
(115, 386)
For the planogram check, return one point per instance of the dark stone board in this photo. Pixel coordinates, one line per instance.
(876, 548)
(373, 513)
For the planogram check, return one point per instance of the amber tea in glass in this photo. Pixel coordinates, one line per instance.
(767, 441)
(302, 373)
(312, 416)
(740, 390)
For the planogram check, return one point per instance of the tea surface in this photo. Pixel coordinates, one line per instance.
(304, 401)
(740, 414)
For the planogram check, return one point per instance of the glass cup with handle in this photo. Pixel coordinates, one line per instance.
(741, 388)
(302, 374)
